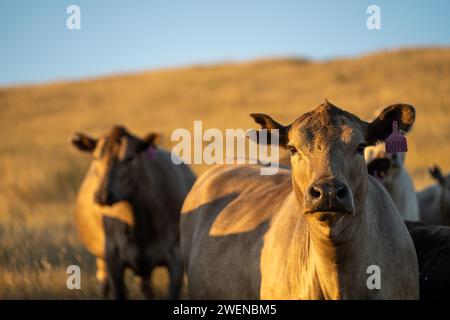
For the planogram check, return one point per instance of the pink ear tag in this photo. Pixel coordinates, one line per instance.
(151, 152)
(396, 142)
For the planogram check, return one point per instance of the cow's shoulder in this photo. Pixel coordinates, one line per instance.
(381, 208)
(239, 197)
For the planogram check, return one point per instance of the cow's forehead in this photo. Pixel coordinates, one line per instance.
(326, 124)
(113, 141)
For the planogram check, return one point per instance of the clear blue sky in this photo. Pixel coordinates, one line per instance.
(126, 36)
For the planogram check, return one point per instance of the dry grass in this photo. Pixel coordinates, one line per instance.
(40, 172)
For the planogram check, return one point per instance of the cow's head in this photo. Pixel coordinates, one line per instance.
(379, 168)
(444, 184)
(329, 174)
(374, 154)
(115, 162)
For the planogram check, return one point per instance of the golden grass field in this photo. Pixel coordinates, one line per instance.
(40, 171)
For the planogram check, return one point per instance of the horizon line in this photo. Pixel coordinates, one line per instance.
(215, 63)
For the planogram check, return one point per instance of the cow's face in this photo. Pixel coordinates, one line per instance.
(444, 184)
(327, 145)
(374, 154)
(115, 164)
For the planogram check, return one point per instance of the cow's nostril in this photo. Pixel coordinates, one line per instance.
(328, 195)
(342, 192)
(314, 192)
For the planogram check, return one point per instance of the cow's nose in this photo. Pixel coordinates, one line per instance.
(328, 195)
(103, 198)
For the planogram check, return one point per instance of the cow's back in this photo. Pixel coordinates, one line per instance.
(429, 204)
(432, 245)
(226, 215)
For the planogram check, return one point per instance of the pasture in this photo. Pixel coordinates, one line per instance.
(41, 171)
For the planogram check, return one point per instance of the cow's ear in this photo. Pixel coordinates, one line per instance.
(436, 173)
(83, 142)
(380, 128)
(153, 139)
(269, 124)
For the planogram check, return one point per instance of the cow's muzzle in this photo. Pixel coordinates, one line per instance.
(327, 199)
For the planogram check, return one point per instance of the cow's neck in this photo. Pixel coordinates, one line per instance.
(146, 204)
(337, 257)
(328, 262)
(324, 267)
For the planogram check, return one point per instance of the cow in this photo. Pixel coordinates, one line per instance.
(434, 201)
(317, 231)
(128, 209)
(432, 245)
(390, 169)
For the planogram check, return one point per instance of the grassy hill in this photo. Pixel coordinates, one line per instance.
(41, 171)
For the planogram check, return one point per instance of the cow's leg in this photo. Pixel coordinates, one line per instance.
(102, 276)
(116, 270)
(105, 289)
(115, 257)
(146, 286)
(175, 266)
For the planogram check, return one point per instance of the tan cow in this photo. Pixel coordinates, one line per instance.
(399, 184)
(315, 232)
(434, 201)
(128, 209)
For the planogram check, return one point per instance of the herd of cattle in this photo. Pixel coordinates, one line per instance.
(310, 231)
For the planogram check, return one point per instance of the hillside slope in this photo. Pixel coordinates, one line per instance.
(41, 172)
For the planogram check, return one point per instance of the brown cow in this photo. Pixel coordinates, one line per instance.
(128, 209)
(434, 201)
(310, 233)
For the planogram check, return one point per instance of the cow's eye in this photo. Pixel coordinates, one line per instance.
(361, 148)
(292, 149)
